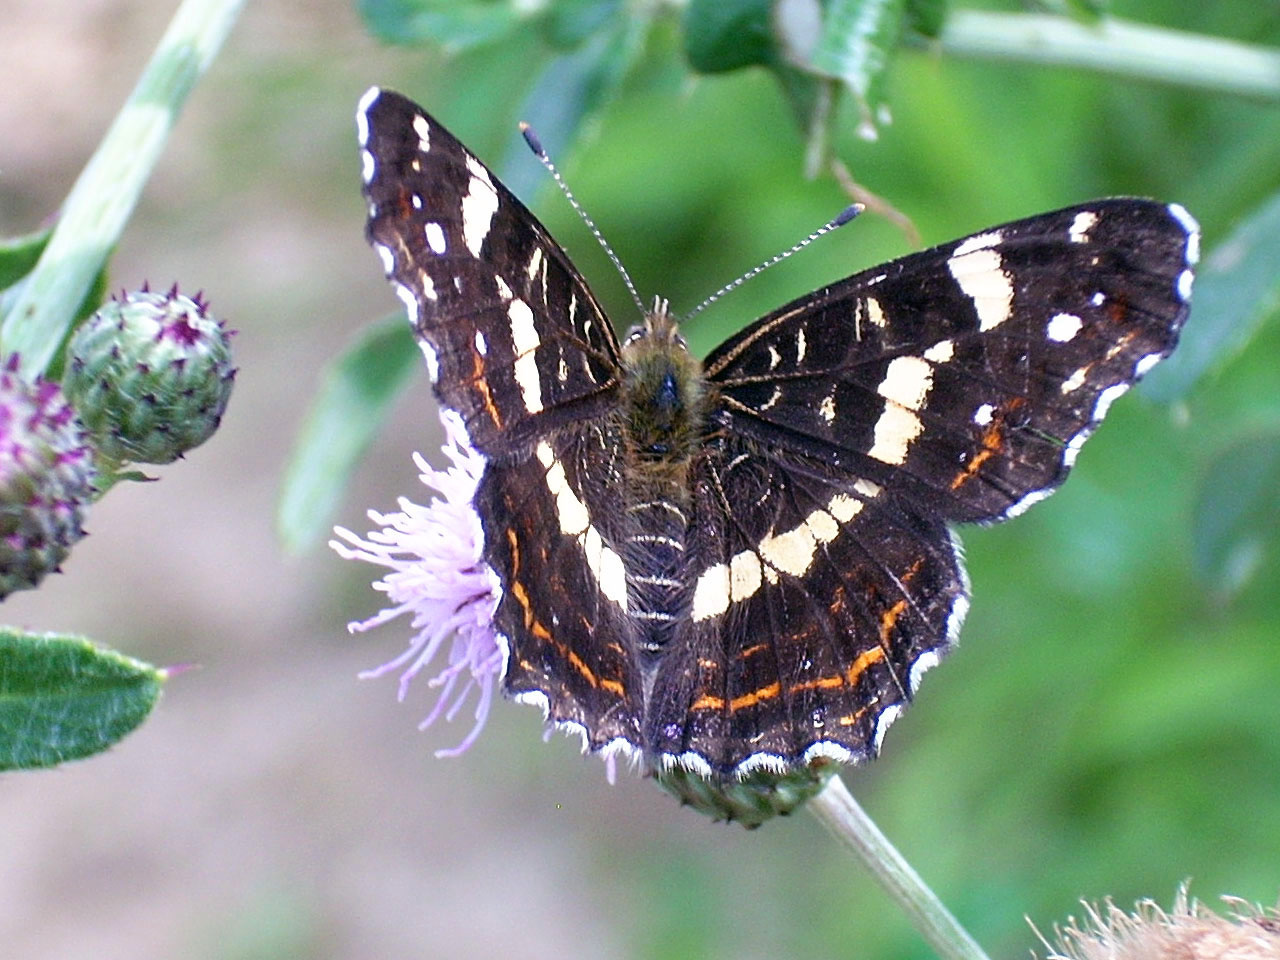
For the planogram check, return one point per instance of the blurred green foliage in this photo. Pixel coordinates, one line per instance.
(1110, 724)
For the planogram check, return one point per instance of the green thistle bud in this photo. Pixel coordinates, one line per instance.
(150, 375)
(751, 800)
(46, 479)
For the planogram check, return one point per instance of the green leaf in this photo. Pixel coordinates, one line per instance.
(454, 24)
(926, 17)
(19, 254)
(857, 43)
(1237, 516)
(728, 34)
(355, 395)
(571, 22)
(1236, 290)
(62, 698)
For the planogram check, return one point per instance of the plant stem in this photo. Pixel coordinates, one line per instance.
(98, 206)
(1118, 47)
(841, 814)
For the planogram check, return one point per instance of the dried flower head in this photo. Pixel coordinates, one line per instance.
(439, 578)
(1189, 931)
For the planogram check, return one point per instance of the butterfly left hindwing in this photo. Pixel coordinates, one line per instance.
(748, 562)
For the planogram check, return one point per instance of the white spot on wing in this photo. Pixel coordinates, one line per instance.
(907, 381)
(386, 256)
(423, 130)
(1063, 327)
(801, 346)
(982, 416)
(1108, 397)
(1185, 280)
(775, 358)
(941, 352)
(535, 263)
(979, 271)
(924, 663)
(1144, 365)
(368, 166)
(884, 722)
(435, 238)
(478, 207)
(711, 593)
(1081, 225)
(979, 241)
(894, 431)
(433, 362)
(362, 114)
(827, 409)
(1075, 381)
(524, 343)
(575, 521)
(875, 312)
(1189, 224)
(482, 345)
(744, 575)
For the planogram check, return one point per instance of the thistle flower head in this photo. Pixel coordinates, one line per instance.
(46, 479)
(438, 578)
(150, 375)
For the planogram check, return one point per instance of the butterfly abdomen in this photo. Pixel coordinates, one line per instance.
(664, 408)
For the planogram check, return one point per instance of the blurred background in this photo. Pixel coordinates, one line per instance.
(1110, 725)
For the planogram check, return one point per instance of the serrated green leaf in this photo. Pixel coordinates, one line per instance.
(1237, 288)
(19, 254)
(926, 17)
(356, 393)
(1237, 516)
(63, 698)
(454, 24)
(858, 41)
(571, 22)
(724, 35)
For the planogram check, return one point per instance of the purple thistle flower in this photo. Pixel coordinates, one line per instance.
(439, 577)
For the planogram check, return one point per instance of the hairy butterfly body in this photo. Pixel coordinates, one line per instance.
(747, 562)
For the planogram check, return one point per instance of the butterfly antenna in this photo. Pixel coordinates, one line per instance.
(847, 214)
(535, 145)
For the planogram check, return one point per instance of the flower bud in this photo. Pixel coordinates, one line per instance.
(46, 479)
(752, 799)
(150, 375)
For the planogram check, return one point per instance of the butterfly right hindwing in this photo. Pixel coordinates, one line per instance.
(817, 602)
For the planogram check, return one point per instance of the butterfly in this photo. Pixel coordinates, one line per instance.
(747, 562)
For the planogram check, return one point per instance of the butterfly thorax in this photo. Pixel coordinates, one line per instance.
(664, 409)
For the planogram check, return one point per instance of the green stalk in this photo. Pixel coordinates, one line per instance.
(98, 206)
(1117, 47)
(836, 809)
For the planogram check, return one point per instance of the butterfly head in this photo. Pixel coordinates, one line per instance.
(664, 387)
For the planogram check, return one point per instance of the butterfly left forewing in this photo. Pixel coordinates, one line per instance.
(517, 343)
(519, 347)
